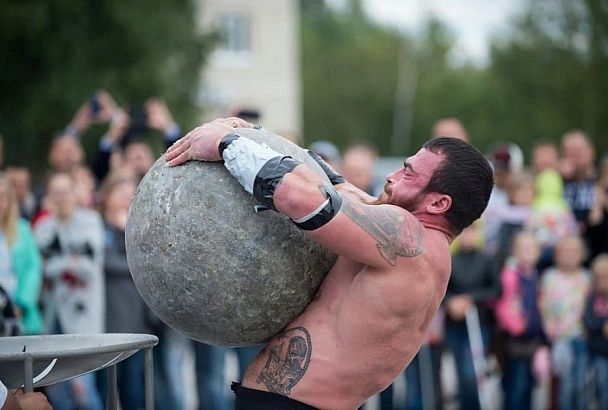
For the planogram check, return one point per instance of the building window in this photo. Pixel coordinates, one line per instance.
(235, 30)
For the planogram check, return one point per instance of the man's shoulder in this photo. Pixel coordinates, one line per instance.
(399, 232)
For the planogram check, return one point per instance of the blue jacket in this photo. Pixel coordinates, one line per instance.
(28, 269)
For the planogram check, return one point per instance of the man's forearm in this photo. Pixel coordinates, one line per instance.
(353, 192)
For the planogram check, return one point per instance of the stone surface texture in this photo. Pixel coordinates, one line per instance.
(210, 266)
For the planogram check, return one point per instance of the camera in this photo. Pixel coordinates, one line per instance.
(95, 105)
(138, 123)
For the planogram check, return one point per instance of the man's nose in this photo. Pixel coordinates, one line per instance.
(391, 177)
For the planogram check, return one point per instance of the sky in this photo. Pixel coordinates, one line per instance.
(473, 22)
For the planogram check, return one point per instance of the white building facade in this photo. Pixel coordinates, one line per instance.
(256, 67)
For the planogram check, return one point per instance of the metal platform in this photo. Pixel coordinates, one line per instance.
(36, 361)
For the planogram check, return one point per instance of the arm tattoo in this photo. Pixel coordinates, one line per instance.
(395, 235)
(288, 359)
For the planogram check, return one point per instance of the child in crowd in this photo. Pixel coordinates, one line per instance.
(520, 191)
(551, 217)
(596, 324)
(519, 318)
(597, 219)
(474, 282)
(564, 289)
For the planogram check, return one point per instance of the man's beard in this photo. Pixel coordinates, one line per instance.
(409, 204)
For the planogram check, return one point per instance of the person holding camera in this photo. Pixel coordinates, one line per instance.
(121, 144)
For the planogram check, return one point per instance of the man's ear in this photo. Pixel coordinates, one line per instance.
(439, 204)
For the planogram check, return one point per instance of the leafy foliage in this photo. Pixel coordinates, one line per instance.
(56, 53)
(349, 69)
(547, 76)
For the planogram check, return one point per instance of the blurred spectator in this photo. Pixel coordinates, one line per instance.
(358, 166)
(474, 281)
(71, 241)
(209, 366)
(1, 152)
(65, 153)
(169, 387)
(514, 216)
(20, 265)
(110, 152)
(551, 217)
(98, 110)
(126, 311)
(28, 203)
(159, 118)
(9, 322)
(328, 152)
(84, 186)
(139, 156)
(544, 156)
(563, 293)
(596, 324)
(597, 219)
(505, 159)
(127, 127)
(450, 127)
(578, 170)
(519, 318)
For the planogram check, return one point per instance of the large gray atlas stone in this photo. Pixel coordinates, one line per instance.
(210, 266)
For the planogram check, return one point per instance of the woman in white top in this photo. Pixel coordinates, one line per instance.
(71, 242)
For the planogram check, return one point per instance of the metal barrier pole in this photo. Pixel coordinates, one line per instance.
(112, 389)
(149, 378)
(28, 374)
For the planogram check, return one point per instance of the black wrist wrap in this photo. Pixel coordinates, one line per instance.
(226, 141)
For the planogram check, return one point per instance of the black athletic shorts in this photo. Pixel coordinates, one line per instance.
(250, 399)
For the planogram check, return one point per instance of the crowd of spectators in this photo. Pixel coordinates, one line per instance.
(526, 307)
(527, 302)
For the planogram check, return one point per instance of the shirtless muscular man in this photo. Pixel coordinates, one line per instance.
(371, 313)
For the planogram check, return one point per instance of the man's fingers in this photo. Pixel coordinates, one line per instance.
(177, 144)
(173, 154)
(234, 122)
(178, 150)
(180, 159)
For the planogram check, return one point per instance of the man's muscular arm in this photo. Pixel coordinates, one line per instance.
(371, 234)
(355, 193)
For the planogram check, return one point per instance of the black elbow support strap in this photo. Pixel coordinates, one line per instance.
(324, 214)
(269, 176)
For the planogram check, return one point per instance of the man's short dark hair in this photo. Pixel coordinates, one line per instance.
(465, 175)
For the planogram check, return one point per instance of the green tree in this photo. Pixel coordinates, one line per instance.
(365, 81)
(550, 75)
(349, 68)
(56, 53)
(445, 90)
